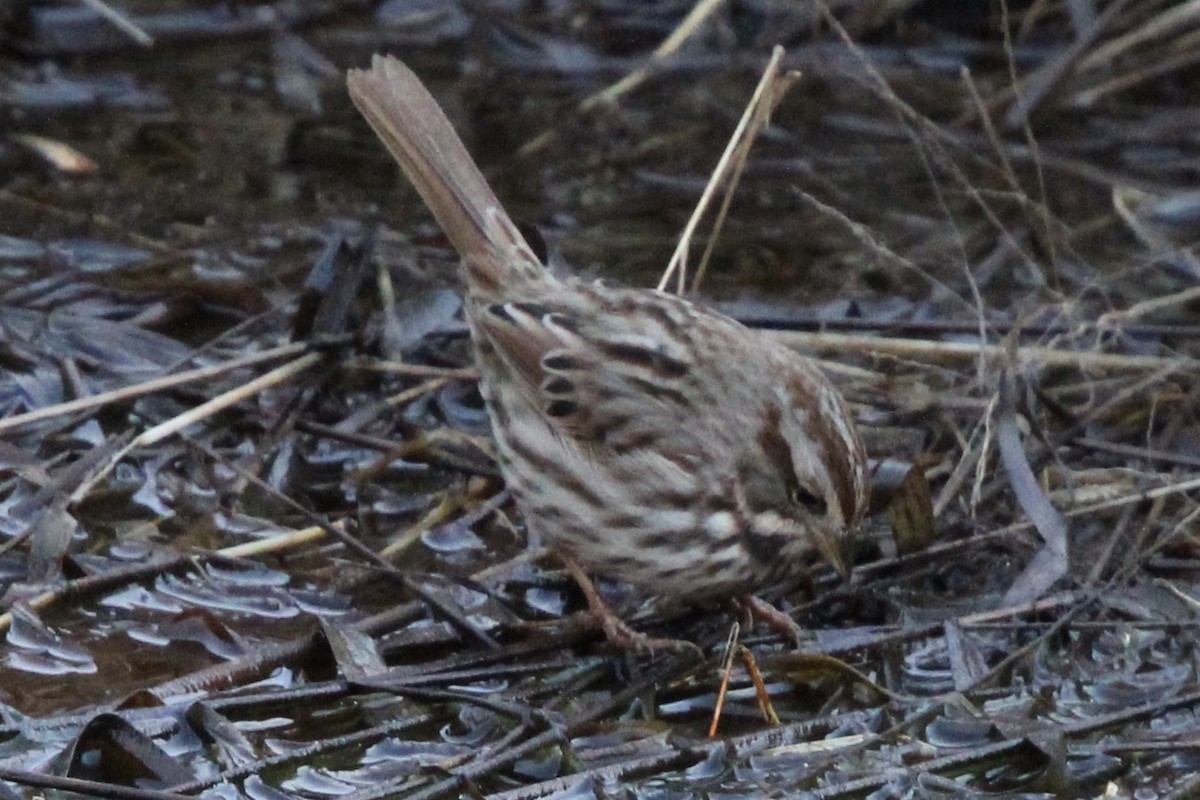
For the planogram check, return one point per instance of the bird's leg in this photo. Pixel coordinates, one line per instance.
(615, 629)
(776, 619)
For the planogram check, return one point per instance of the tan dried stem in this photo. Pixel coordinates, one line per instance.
(610, 94)
(768, 92)
(149, 387)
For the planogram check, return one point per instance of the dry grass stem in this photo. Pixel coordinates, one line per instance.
(776, 86)
(408, 395)
(150, 386)
(1146, 307)
(862, 234)
(682, 32)
(770, 88)
(278, 543)
(417, 370)
(1025, 356)
(610, 94)
(121, 22)
(226, 399)
(1156, 26)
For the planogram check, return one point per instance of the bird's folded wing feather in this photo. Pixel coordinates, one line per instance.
(618, 378)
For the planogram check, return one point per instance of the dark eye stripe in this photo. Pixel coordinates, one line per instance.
(779, 455)
(774, 446)
(806, 499)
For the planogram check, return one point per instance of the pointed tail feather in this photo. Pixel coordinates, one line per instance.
(416, 132)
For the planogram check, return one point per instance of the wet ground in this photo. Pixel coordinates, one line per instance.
(320, 586)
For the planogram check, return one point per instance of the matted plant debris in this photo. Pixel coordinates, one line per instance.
(253, 538)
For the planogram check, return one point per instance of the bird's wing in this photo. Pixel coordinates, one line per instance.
(610, 368)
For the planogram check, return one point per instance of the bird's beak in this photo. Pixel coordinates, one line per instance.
(832, 545)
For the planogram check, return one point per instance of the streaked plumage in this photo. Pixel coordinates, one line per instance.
(651, 439)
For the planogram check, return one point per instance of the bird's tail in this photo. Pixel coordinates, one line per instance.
(416, 132)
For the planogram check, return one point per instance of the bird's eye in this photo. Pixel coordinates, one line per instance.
(800, 496)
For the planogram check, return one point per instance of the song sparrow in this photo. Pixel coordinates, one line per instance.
(649, 438)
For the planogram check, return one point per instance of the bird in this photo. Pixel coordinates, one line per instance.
(644, 437)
